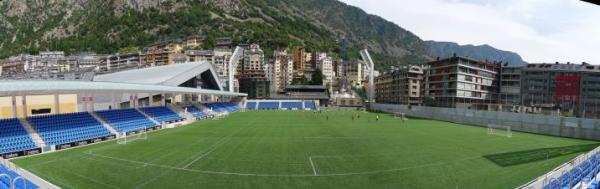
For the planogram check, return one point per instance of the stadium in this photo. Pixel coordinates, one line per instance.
(175, 127)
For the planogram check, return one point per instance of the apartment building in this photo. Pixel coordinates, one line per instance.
(325, 64)
(400, 86)
(283, 71)
(162, 53)
(462, 82)
(194, 41)
(255, 83)
(548, 87)
(510, 84)
(590, 92)
(221, 61)
(13, 67)
(200, 56)
(354, 71)
(117, 62)
(254, 58)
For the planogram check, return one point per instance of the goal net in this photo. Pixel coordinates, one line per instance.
(219, 115)
(400, 115)
(125, 138)
(500, 130)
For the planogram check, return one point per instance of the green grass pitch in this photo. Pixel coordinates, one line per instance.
(295, 149)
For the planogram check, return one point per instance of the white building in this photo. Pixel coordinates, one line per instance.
(325, 64)
(200, 56)
(118, 62)
(52, 54)
(254, 58)
(354, 72)
(221, 61)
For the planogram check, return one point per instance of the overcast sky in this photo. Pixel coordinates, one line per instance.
(539, 30)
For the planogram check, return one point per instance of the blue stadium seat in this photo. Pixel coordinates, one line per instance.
(195, 112)
(223, 107)
(292, 105)
(68, 128)
(582, 173)
(251, 105)
(14, 137)
(593, 185)
(268, 105)
(6, 182)
(126, 120)
(310, 105)
(162, 114)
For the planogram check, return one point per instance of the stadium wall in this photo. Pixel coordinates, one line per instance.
(541, 124)
(68, 103)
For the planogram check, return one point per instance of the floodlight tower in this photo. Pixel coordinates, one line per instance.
(233, 61)
(371, 69)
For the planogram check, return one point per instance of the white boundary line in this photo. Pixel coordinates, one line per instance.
(287, 175)
(312, 165)
(198, 156)
(212, 148)
(93, 180)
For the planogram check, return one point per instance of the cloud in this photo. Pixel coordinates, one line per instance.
(539, 30)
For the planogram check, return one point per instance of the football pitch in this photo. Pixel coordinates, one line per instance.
(296, 149)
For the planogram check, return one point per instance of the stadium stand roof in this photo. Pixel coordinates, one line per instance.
(44, 87)
(306, 87)
(169, 75)
(592, 1)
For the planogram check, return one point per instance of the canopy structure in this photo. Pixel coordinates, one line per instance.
(592, 1)
(190, 74)
(44, 87)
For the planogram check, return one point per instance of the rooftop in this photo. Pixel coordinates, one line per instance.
(44, 87)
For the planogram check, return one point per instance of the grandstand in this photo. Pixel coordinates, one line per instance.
(268, 105)
(162, 114)
(11, 180)
(99, 111)
(126, 120)
(68, 128)
(281, 105)
(195, 111)
(581, 172)
(222, 107)
(14, 137)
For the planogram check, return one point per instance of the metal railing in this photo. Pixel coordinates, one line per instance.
(24, 174)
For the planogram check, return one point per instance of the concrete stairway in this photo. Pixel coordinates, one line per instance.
(202, 107)
(148, 116)
(105, 124)
(176, 109)
(32, 133)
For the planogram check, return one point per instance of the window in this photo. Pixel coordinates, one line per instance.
(40, 111)
(468, 78)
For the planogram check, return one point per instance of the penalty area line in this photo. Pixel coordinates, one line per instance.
(312, 164)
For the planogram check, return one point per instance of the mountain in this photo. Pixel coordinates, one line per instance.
(480, 52)
(105, 26)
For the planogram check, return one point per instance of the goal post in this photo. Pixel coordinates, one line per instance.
(219, 115)
(500, 130)
(400, 115)
(125, 138)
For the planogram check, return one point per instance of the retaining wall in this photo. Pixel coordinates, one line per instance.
(541, 124)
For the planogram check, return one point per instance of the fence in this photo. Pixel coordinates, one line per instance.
(541, 124)
(28, 175)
